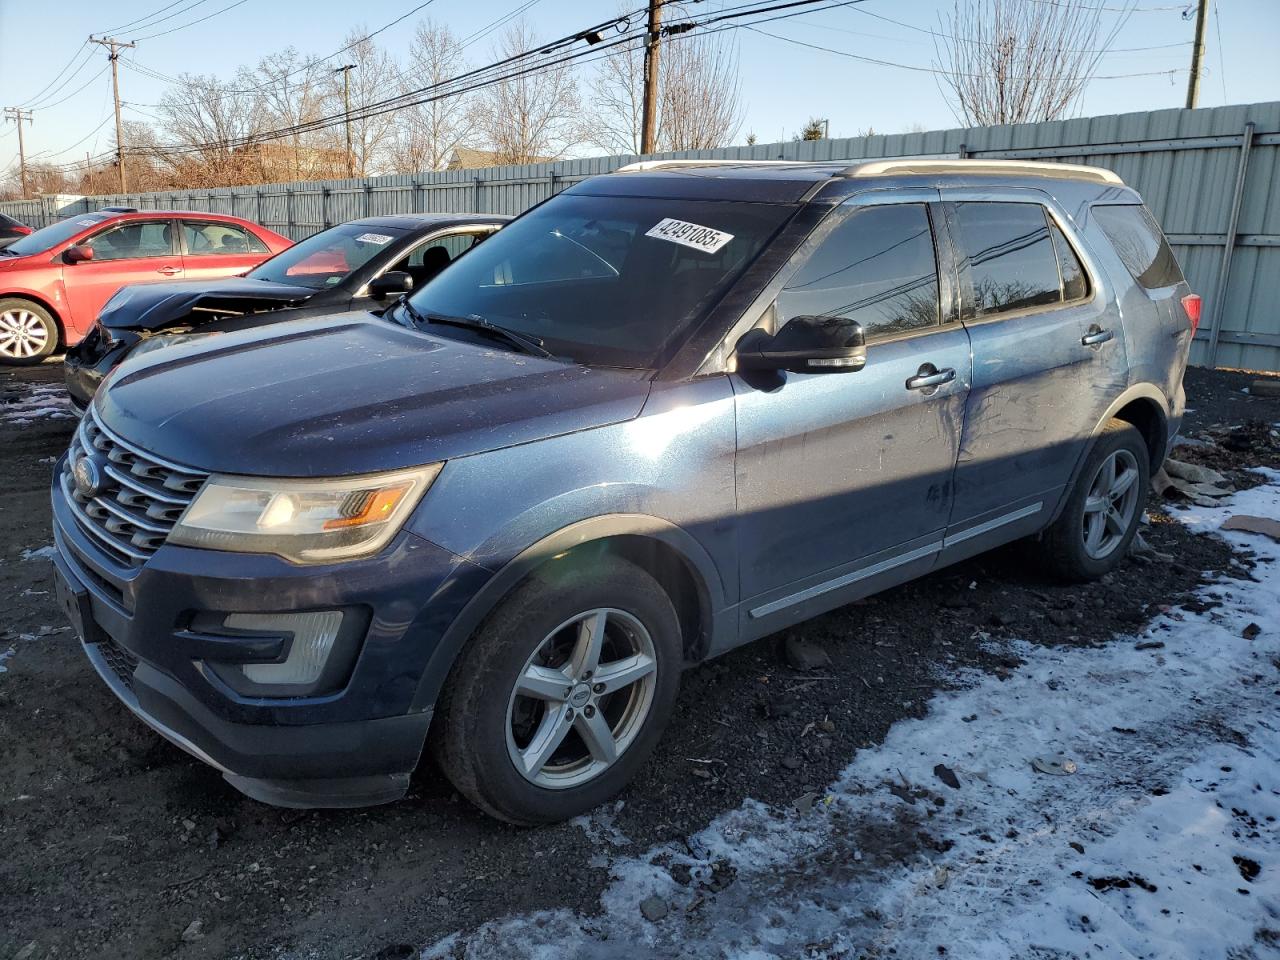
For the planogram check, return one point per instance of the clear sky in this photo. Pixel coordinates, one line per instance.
(783, 83)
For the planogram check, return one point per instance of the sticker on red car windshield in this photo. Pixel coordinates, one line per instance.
(86, 223)
(689, 235)
(378, 238)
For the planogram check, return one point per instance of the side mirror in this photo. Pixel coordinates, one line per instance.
(805, 345)
(78, 254)
(390, 284)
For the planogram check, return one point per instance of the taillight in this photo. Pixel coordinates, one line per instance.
(1191, 304)
(22, 229)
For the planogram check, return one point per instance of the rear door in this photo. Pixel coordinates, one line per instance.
(136, 251)
(212, 249)
(844, 479)
(1048, 359)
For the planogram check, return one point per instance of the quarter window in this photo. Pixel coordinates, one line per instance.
(877, 267)
(1012, 263)
(131, 241)
(219, 239)
(1075, 282)
(1141, 244)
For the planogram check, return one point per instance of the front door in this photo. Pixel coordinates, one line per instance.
(137, 251)
(844, 479)
(1048, 358)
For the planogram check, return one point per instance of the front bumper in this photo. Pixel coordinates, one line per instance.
(351, 746)
(88, 362)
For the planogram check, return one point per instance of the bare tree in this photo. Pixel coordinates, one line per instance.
(535, 113)
(699, 95)
(204, 123)
(1019, 61)
(427, 134)
(292, 91)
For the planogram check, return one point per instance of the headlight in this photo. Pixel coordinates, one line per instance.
(304, 521)
(165, 340)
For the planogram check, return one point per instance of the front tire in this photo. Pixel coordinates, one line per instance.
(563, 692)
(1101, 518)
(28, 333)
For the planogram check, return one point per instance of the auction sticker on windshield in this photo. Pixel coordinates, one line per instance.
(378, 238)
(689, 235)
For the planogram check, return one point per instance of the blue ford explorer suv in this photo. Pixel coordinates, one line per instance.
(669, 411)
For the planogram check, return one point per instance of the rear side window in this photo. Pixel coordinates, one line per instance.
(215, 239)
(1140, 243)
(878, 268)
(1012, 261)
(1075, 282)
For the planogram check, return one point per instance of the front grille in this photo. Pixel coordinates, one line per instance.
(139, 499)
(120, 660)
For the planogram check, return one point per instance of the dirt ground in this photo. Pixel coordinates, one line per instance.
(114, 843)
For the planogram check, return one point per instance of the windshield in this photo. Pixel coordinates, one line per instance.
(46, 238)
(325, 260)
(605, 280)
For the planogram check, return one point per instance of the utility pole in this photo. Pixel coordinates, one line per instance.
(649, 118)
(17, 114)
(114, 47)
(1197, 55)
(345, 70)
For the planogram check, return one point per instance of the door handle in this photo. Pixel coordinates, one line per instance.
(931, 376)
(169, 271)
(1095, 336)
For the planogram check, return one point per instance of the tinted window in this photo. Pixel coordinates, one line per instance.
(877, 267)
(214, 239)
(1012, 264)
(324, 259)
(1075, 283)
(428, 259)
(49, 237)
(131, 241)
(1141, 244)
(605, 280)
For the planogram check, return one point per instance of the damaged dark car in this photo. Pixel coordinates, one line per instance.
(362, 264)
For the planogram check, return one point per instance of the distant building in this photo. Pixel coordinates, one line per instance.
(468, 158)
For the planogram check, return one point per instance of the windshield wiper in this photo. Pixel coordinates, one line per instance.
(521, 341)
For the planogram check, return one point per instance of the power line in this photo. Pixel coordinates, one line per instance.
(934, 70)
(83, 46)
(140, 25)
(73, 93)
(133, 23)
(937, 33)
(183, 26)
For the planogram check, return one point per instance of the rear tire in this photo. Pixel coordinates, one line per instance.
(28, 333)
(532, 726)
(1092, 535)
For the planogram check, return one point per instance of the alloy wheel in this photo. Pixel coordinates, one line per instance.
(23, 334)
(1109, 507)
(581, 699)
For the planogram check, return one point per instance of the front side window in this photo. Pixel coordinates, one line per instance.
(429, 258)
(613, 281)
(132, 241)
(215, 239)
(325, 259)
(1140, 243)
(877, 267)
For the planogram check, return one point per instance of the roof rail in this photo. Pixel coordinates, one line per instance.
(662, 164)
(1026, 168)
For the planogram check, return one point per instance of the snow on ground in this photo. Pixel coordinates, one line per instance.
(42, 401)
(1164, 843)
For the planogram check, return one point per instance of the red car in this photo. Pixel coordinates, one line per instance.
(54, 281)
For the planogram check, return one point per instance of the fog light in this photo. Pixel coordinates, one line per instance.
(313, 636)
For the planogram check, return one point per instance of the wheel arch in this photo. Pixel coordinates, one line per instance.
(666, 551)
(1145, 406)
(44, 305)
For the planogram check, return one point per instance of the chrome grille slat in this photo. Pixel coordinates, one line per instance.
(142, 497)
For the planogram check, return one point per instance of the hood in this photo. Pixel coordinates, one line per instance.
(351, 394)
(153, 306)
